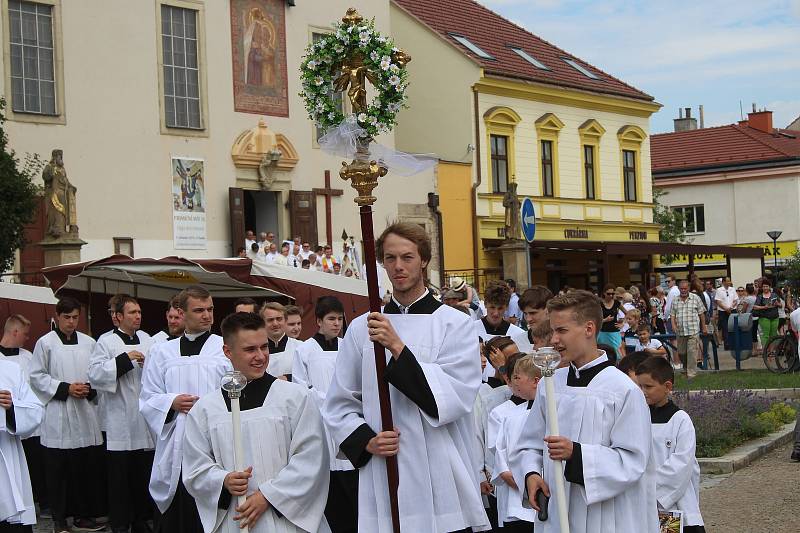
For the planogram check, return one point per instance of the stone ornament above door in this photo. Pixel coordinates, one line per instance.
(257, 147)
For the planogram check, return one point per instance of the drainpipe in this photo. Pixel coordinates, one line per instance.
(433, 205)
(474, 196)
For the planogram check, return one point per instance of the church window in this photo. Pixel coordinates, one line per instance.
(179, 39)
(33, 85)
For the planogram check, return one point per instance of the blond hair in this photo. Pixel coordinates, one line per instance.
(635, 313)
(274, 306)
(525, 367)
(16, 321)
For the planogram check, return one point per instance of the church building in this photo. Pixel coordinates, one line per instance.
(181, 124)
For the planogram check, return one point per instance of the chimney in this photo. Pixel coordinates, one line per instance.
(702, 119)
(760, 120)
(685, 123)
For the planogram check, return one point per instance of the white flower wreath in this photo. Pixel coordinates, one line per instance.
(383, 60)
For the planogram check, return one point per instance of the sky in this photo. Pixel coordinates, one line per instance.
(684, 53)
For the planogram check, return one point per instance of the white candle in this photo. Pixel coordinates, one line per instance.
(558, 468)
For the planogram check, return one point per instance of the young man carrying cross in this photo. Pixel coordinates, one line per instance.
(434, 372)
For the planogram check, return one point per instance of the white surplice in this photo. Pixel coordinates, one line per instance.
(73, 422)
(280, 363)
(159, 337)
(509, 419)
(507, 329)
(302, 354)
(118, 398)
(283, 441)
(610, 420)
(321, 367)
(488, 398)
(677, 470)
(166, 375)
(24, 358)
(438, 458)
(16, 497)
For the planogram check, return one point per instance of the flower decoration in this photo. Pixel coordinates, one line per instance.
(384, 62)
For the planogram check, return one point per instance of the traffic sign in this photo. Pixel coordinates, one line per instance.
(528, 215)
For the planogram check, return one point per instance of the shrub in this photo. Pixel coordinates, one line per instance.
(725, 419)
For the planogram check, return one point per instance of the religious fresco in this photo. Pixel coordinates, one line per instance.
(188, 204)
(258, 34)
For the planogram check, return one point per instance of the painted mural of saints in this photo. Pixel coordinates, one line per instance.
(259, 49)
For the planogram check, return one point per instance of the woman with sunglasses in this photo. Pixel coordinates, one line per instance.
(613, 317)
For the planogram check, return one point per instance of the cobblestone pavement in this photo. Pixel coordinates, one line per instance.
(762, 498)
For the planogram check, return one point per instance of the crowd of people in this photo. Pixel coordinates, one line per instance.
(135, 428)
(297, 253)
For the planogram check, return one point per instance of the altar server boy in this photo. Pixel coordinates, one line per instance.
(319, 353)
(329, 313)
(70, 432)
(116, 371)
(434, 371)
(506, 422)
(20, 414)
(285, 450)
(496, 297)
(677, 474)
(281, 345)
(176, 374)
(605, 433)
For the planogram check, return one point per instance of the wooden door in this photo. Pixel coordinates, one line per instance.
(303, 214)
(31, 256)
(236, 208)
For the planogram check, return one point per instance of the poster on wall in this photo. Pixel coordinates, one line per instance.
(188, 204)
(258, 35)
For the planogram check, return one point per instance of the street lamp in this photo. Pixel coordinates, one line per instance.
(775, 235)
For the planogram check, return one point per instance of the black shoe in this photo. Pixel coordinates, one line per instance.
(796, 455)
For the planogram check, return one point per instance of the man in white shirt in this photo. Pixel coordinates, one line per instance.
(726, 302)
(249, 239)
(271, 254)
(672, 292)
(513, 314)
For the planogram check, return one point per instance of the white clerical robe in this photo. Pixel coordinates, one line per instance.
(283, 441)
(161, 336)
(166, 375)
(16, 497)
(280, 363)
(678, 473)
(438, 458)
(509, 418)
(118, 398)
(72, 422)
(603, 411)
(486, 331)
(24, 358)
(321, 367)
(306, 351)
(488, 398)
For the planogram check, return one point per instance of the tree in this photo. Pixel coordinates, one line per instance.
(18, 195)
(791, 270)
(673, 228)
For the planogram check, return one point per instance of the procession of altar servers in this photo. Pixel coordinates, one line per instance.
(126, 413)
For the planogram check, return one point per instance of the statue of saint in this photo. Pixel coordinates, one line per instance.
(512, 204)
(62, 219)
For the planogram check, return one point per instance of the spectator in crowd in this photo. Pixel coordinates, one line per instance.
(745, 304)
(766, 306)
(327, 262)
(726, 299)
(647, 344)
(305, 252)
(613, 317)
(254, 253)
(672, 293)
(781, 310)
(641, 303)
(513, 313)
(249, 239)
(688, 318)
(632, 321)
(657, 309)
(470, 299)
(533, 304)
(241, 252)
(306, 264)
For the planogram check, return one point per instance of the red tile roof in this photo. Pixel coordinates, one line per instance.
(496, 35)
(710, 148)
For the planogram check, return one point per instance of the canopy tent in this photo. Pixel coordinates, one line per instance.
(155, 281)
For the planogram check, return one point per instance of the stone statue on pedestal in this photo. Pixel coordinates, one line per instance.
(512, 204)
(60, 206)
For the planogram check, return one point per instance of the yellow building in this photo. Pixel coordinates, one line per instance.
(500, 105)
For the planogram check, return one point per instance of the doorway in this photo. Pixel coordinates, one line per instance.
(261, 212)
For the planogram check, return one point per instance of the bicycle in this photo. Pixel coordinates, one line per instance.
(780, 354)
